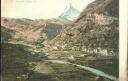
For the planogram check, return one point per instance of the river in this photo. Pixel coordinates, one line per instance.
(94, 71)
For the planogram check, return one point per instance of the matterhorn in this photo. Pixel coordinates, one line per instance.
(70, 13)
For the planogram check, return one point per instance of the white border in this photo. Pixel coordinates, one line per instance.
(123, 40)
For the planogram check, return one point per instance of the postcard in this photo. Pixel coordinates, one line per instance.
(63, 40)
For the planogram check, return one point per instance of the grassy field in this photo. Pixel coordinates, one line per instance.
(15, 59)
(108, 65)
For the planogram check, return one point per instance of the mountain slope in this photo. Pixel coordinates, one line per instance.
(32, 30)
(6, 34)
(97, 26)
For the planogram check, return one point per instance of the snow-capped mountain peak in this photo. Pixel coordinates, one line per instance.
(70, 13)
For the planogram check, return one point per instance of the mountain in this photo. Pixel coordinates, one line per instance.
(97, 26)
(70, 13)
(32, 30)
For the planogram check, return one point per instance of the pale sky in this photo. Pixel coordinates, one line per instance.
(38, 9)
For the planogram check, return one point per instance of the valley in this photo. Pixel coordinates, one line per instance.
(47, 70)
(63, 50)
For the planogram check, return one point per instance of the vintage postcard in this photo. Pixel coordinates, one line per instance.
(60, 40)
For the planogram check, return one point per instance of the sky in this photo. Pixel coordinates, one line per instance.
(38, 9)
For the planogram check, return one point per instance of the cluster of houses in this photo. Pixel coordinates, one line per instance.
(99, 50)
(85, 49)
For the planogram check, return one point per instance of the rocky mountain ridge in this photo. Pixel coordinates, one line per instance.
(97, 26)
(32, 30)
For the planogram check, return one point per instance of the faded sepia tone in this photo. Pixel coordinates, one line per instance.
(60, 40)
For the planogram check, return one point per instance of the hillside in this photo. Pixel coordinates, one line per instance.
(15, 60)
(97, 26)
(31, 31)
(6, 34)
